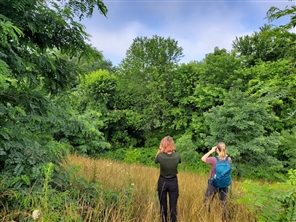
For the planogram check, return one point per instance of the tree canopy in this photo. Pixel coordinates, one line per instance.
(34, 36)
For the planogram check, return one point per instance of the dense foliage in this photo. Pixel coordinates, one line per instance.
(38, 40)
(245, 100)
(58, 95)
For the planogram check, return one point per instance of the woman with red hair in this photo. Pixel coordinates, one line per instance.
(168, 181)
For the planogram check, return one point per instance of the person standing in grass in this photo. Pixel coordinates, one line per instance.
(212, 189)
(168, 181)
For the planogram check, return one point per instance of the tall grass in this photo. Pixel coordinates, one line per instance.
(136, 187)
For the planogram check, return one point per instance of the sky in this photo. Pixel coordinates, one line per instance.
(197, 25)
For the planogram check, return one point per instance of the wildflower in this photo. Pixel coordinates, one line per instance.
(35, 214)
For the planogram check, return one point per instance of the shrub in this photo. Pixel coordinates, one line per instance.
(276, 202)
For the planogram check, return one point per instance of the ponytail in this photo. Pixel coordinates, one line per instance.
(222, 149)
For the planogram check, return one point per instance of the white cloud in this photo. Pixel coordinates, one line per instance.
(197, 26)
(115, 43)
(201, 32)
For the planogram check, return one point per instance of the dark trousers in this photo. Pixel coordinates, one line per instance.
(222, 193)
(168, 187)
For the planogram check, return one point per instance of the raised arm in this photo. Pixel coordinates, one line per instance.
(204, 157)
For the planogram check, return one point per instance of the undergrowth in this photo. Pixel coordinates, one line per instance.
(111, 191)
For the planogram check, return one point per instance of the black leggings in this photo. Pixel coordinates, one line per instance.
(222, 193)
(170, 187)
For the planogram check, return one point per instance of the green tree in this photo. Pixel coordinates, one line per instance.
(286, 151)
(275, 13)
(46, 26)
(185, 80)
(88, 65)
(216, 75)
(145, 79)
(240, 122)
(32, 72)
(269, 44)
(273, 83)
(97, 93)
(97, 89)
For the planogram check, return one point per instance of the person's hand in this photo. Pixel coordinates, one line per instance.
(214, 149)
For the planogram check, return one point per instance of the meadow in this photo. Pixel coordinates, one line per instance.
(134, 188)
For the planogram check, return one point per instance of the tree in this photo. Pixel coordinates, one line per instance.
(89, 63)
(145, 79)
(46, 26)
(240, 123)
(269, 44)
(286, 151)
(276, 13)
(97, 90)
(273, 83)
(216, 75)
(185, 79)
(96, 93)
(32, 72)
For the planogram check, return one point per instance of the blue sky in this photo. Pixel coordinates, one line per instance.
(198, 26)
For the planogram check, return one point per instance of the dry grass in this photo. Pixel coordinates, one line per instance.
(145, 206)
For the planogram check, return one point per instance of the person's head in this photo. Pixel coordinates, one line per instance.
(167, 145)
(221, 149)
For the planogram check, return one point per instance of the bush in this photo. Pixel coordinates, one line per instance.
(276, 202)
